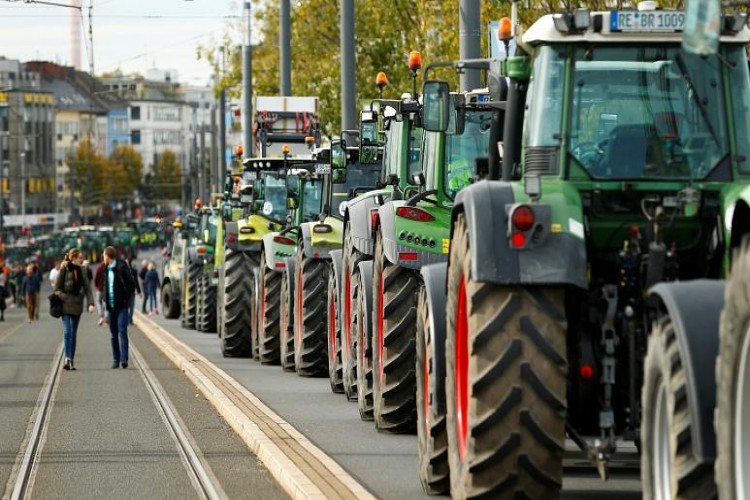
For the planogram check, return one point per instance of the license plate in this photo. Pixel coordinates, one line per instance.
(660, 20)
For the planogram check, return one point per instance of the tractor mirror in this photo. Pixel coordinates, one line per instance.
(436, 112)
(418, 178)
(291, 203)
(338, 176)
(368, 137)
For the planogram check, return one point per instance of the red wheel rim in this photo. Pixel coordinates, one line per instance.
(380, 330)
(331, 329)
(462, 370)
(347, 311)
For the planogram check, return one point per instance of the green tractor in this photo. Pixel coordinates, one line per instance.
(575, 300)
(307, 276)
(410, 233)
(199, 279)
(304, 203)
(352, 266)
(254, 205)
(173, 272)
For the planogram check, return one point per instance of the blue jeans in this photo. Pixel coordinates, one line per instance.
(118, 328)
(70, 332)
(151, 295)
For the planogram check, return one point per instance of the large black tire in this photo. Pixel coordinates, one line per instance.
(194, 270)
(199, 300)
(350, 259)
(668, 467)
(206, 320)
(310, 345)
(333, 324)
(364, 356)
(236, 287)
(269, 314)
(394, 313)
(255, 314)
(432, 436)
(170, 303)
(506, 377)
(286, 327)
(732, 380)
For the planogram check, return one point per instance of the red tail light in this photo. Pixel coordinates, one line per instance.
(201, 250)
(280, 265)
(518, 240)
(413, 213)
(587, 372)
(231, 238)
(283, 240)
(373, 218)
(523, 218)
(408, 256)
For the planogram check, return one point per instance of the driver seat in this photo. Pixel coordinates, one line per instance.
(627, 151)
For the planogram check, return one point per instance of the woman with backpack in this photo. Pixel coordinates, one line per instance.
(71, 286)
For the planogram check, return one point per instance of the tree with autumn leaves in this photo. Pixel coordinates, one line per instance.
(385, 34)
(96, 180)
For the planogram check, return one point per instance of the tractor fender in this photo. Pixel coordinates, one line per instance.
(434, 277)
(288, 275)
(358, 213)
(387, 227)
(336, 266)
(268, 250)
(697, 330)
(365, 271)
(560, 259)
(306, 240)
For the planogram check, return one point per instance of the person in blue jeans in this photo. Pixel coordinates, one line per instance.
(152, 286)
(71, 285)
(118, 288)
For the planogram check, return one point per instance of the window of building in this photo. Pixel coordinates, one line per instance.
(135, 113)
(135, 137)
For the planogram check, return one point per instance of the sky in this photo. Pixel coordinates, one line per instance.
(132, 35)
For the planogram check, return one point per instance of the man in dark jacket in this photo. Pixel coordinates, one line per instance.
(118, 288)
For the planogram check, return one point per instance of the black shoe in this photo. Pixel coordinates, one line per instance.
(125, 364)
(115, 364)
(66, 366)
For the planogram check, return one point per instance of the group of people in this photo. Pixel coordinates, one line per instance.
(119, 285)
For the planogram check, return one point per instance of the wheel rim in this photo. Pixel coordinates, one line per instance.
(741, 424)
(662, 457)
(347, 310)
(426, 394)
(331, 329)
(462, 370)
(380, 330)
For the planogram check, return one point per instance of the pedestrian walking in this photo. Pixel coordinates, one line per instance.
(142, 277)
(38, 273)
(20, 276)
(12, 285)
(118, 287)
(72, 285)
(131, 304)
(99, 279)
(152, 285)
(53, 273)
(4, 274)
(32, 283)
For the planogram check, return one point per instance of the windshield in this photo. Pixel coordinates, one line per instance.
(274, 196)
(462, 150)
(647, 111)
(312, 203)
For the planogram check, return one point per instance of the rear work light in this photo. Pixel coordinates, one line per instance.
(322, 228)
(283, 240)
(523, 218)
(247, 230)
(413, 213)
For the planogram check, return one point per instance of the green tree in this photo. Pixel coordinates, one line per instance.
(128, 168)
(88, 177)
(167, 178)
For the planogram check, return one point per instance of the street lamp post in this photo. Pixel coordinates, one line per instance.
(22, 158)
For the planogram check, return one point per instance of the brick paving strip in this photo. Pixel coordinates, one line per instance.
(302, 469)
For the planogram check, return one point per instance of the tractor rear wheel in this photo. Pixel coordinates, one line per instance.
(350, 259)
(394, 298)
(286, 327)
(309, 316)
(235, 329)
(335, 366)
(206, 318)
(360, 330)
(269, 314)
(732, 419)
(668, 467)
(432, 437)
(194, 270)
(506, 378)
(170, 303)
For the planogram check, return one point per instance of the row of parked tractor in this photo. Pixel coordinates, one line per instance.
(561, 253)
